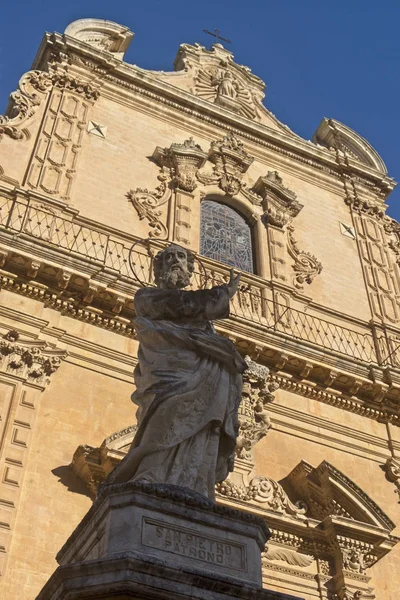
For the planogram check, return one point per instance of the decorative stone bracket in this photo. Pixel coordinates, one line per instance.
(392, 470)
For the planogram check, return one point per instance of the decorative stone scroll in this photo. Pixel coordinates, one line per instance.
(32, 88)
(147, 204)
(306, 266)
(265, 491)
(23, 103)
(102, 35)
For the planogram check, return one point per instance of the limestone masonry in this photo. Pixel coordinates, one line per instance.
(102, 164)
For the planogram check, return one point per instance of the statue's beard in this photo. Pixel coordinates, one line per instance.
(175, 277)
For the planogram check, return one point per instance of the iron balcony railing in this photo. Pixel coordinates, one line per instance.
(133, 260)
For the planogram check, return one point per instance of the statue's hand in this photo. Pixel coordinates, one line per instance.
(233, 284)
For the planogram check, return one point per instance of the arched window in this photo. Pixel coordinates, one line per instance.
(225, 236)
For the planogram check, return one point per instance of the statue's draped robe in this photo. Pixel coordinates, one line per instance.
(188, 388)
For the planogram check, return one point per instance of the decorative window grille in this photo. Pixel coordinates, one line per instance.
(225, 236)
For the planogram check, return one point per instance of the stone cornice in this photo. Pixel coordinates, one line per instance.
(365, 406)
(110, 72)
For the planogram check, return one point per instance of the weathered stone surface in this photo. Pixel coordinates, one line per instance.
(160, 541)
(127, 577)
(188, 381)
(169, 523)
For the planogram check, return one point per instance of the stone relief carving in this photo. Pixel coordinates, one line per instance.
(33, 361)
(284, 554)
(265, 491)
(356, 560)
(231, 162)
(183, 160)
(363, 206)
(279, 202)
(392, 471)
(32, 88)
(392, 228)
(218, 79)
(23, 103)
(147, 204)
(306, 266)
(373, 228)
(220, 86)
(53, 164)
(63, 80)
(254, 421)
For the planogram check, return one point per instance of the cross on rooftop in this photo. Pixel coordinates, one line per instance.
(217, 36)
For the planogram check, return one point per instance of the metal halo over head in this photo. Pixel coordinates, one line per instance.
(154, 255)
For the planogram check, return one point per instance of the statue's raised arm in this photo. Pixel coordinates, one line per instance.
(188, 381)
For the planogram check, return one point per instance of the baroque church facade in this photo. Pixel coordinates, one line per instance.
(102, 164)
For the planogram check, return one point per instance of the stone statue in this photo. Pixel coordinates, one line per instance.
(227, 86)
(188, 381)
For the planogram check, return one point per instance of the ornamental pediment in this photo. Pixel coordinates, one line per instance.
(330, 493)
(218, 79)
(213, 75)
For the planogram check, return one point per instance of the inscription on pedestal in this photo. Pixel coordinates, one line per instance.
(187, 542)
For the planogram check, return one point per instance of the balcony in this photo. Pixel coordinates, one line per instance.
(36, 232)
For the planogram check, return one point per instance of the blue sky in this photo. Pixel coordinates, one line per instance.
(318, 58)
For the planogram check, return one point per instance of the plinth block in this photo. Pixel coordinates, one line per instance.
(148, 541)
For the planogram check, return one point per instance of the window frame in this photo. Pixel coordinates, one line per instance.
(228, 202)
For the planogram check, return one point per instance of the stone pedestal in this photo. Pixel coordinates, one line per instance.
(147, 541)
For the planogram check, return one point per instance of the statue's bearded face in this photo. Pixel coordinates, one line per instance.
(174, 272)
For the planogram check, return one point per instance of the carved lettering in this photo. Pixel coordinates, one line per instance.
(185, 542)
